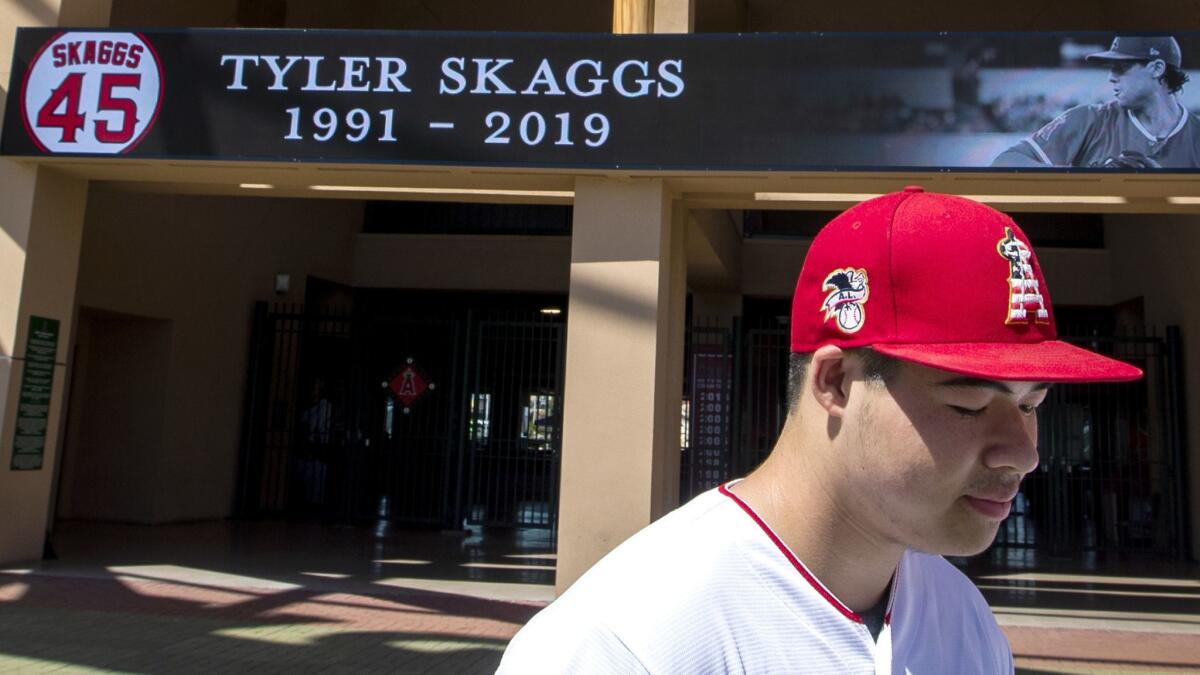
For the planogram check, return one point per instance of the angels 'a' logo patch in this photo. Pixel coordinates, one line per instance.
(1025, 302)
(848, 292)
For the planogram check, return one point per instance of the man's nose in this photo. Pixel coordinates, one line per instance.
(1015, 444)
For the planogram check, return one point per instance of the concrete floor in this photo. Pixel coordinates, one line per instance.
(274, 596)
(1093, 613)
(504, 565)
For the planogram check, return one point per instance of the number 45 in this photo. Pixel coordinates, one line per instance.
(71, 120)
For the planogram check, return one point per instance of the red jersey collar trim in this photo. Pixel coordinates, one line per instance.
(791, 557)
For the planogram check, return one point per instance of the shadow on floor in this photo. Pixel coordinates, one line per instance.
(275, 596)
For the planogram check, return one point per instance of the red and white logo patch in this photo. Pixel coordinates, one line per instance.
(408, 385)
(848, 293)
(92, 93)
(1025, 301)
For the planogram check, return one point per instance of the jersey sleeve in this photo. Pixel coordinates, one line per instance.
(1021, 154)
(549, 646)
(1061, 140)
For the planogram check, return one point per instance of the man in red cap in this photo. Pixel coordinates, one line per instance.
(923, 341)
(1145, 126)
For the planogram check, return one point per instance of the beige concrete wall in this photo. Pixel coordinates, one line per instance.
(674, 16)
(114, 448)
(620, 457)
(1155, 258)
(41, 216)
(770, 267)
(462, 262)
(201, 263)
(20, 14)
(714, 252)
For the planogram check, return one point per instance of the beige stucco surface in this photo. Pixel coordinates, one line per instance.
(620, 447)
(198, 264)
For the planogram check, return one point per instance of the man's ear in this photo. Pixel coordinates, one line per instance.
(829, 379)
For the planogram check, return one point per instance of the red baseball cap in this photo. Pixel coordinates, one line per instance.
(941, 281)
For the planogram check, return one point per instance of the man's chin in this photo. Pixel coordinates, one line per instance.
(967, 544)
(973, 550)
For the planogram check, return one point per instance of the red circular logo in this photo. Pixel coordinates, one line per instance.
(92, 93)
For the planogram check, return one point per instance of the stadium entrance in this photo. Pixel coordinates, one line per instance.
(420, 409)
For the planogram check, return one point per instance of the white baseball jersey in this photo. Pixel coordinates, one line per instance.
(709, 588)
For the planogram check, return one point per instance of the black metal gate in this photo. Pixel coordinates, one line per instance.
(763, 400)
(412, 416)
(733, 404)
(706, 434)
(296, 423)
(433, 418)
(1110, 476)
(513, 430)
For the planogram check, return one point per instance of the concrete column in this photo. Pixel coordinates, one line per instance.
(654, 16)
(624, 380)
(674, 16)
(41, 228)
(633, 16)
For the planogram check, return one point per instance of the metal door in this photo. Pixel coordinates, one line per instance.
(513, 429)
(412, 417)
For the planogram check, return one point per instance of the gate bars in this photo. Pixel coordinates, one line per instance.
(486, 449)
(323, 437)
(1112, 465)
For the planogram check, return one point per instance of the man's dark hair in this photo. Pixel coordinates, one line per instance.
(877, 368)
(1174, 78)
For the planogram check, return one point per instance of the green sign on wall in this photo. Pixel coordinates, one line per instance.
(37, 381)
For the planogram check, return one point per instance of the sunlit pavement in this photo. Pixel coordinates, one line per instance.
(1093, 613)
(271, 597)
(65, 624)
(278, 597)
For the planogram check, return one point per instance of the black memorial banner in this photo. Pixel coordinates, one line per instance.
(1081, 101)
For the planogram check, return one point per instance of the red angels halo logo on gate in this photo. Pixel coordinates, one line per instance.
(408, 385)
(92, 92)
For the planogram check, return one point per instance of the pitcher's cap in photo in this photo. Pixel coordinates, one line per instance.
(1134, 48)
(941, 281)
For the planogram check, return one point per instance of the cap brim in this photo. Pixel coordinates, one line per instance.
(1048, 361)
(1113, 56)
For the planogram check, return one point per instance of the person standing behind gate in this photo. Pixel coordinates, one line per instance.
(922, 342)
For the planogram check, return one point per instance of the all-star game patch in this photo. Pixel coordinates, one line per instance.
(847, 298)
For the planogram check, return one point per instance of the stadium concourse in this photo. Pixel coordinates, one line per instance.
(213, 597)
